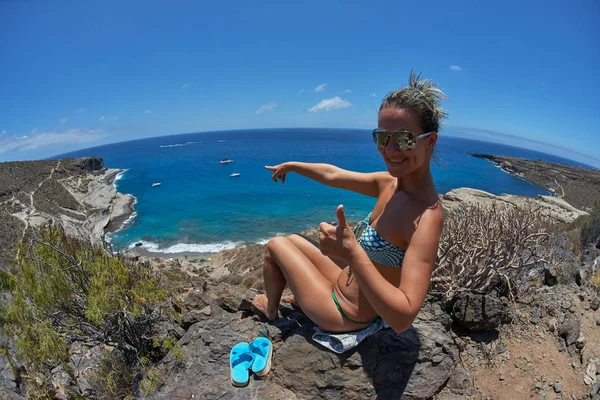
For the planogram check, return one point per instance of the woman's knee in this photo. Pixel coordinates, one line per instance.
(274, 244)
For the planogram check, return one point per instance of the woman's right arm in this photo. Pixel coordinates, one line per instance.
(369, 184)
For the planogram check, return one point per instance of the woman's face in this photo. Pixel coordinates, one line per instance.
(403, 162)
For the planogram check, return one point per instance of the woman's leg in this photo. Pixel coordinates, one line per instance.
(285, 262)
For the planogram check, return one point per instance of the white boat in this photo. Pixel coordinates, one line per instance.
(156, 184)
(226, 161)
(234, 174)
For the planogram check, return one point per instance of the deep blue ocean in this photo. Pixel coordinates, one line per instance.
(199, 207)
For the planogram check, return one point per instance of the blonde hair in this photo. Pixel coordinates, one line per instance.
(422, 96)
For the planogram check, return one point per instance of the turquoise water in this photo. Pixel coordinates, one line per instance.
(198, 207)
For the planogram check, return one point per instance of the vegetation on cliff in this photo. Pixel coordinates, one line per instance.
(68, 291)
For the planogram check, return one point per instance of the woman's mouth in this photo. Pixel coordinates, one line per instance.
(396, 162)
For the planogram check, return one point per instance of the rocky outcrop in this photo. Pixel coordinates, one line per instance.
(551, 207)
(415, 364)
(76, 193)
(578, 186)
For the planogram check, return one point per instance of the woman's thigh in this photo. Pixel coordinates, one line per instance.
(311, 289)
(328, 267)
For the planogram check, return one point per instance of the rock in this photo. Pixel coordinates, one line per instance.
(595, 303)
(595, 389)
(550, 275)
(598, 321)
(196, 307)
(569, 330)
(83, 360)
(535, 316)
(89, 164)
(552, 324)
(474, 312)
(558, 386)
(459, 381)
(415, 364)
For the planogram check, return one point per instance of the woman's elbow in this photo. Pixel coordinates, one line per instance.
(400, 325)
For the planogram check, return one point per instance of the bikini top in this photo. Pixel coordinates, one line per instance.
(377, 248)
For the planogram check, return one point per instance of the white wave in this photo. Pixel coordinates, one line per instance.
(188, 247)
(119, 176)
(179, 144)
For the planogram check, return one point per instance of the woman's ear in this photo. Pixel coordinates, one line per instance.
(432, 140)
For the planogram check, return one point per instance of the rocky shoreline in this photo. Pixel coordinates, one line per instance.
(78, 194)
(578, 186)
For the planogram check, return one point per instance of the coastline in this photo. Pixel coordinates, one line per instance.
(578, 186)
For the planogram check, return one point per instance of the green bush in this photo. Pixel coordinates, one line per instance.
(68, 291)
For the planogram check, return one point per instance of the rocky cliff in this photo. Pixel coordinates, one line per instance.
(76, 193)
(578, 186)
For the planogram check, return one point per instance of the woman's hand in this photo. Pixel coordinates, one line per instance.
(280, 171)
(337, 241)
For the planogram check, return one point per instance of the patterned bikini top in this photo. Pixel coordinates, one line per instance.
(377, 248)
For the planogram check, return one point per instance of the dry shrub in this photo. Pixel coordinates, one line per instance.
(489, 248)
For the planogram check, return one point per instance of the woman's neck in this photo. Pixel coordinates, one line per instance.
(418, 184)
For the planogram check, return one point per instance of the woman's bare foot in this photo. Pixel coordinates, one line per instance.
(291, 300)
(261, 303)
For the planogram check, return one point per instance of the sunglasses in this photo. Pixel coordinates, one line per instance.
(404, 140)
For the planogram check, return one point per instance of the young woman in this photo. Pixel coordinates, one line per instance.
(383, 268)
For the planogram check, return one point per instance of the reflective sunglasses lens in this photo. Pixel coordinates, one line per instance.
(405, 140)
(381, 138)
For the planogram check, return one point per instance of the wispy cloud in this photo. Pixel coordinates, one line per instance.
(148, 112)
(105, 119)
(266, 107)
(50, 138)
(79, 110)
(301, 91)
(64, 120)
(3, 133)
(373, 94)
(346, 91)
(457, 68)
(321, 87)
(187, 85)
(335, 103)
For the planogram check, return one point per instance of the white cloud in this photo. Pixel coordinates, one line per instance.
(79, 110)
(50, 138)
(335, 103)
(105, 119)
(373, 94)
(187, 84)
(321, 87)
(301, 91)
(457, 68)
(266, 107)
(148, 112)
(64, 120)
(347, 91)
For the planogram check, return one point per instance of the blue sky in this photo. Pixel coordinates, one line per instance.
(76, 74)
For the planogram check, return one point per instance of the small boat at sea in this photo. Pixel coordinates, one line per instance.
(234, 174)
(226, 161)
(156, 184)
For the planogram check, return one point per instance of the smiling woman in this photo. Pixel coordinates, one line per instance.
(383, 268)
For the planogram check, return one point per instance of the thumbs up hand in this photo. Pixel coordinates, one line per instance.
(337, 241)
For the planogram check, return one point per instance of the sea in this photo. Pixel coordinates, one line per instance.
(199, 207)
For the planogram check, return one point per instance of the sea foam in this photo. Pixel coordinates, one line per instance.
(188, 247)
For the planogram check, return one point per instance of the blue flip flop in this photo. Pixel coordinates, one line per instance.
(241, 359)
(262, 348)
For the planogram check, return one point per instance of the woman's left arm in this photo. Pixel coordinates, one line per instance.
(399, 306)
